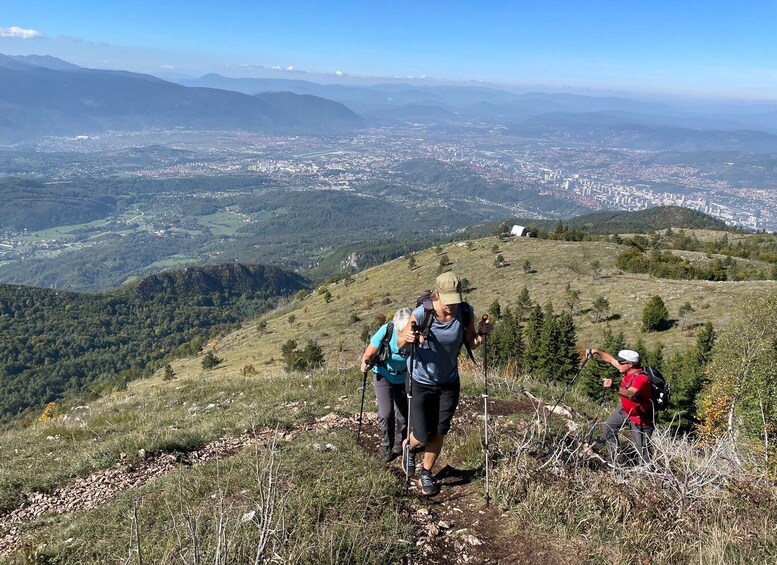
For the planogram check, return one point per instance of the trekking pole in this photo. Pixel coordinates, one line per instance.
(571, 382)
(406, 456)
(361, 410)
(484, 320)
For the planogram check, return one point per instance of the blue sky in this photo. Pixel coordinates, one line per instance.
(709, 49)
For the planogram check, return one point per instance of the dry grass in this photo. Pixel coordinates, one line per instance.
(694, 503)
(556, 263)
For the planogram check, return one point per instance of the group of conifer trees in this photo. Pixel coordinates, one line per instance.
(530, 339)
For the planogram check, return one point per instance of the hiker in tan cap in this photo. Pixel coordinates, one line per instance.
(439, 326)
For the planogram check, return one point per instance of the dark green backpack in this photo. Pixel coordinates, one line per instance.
(384, 351)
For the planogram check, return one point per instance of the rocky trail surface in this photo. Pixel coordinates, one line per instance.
(454, 526)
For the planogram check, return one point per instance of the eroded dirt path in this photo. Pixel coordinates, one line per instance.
(454, 526)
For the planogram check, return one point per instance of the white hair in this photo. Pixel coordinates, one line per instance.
(401, 318)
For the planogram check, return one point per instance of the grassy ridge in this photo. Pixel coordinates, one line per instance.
(381, 290)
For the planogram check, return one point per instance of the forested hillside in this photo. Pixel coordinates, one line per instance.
(54, 343)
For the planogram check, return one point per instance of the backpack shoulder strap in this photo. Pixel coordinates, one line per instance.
(466, 313)
(426, 323)
(466, 317)
(389, 333)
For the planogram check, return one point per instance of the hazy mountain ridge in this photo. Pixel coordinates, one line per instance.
(641, 221)
(382, 100)
(41, 101)
(27, 61)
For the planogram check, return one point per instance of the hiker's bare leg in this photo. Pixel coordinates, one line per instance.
(415, 445)
(432, 452)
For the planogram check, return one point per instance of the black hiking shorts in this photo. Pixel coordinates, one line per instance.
(432, 409)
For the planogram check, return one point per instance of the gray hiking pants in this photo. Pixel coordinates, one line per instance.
(640, 435)
(392, 411)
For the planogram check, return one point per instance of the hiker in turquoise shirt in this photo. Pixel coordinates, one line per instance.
(389, 382)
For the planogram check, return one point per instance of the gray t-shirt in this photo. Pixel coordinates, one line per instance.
(437, 360)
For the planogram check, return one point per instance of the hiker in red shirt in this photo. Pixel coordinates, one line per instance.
(636, 404)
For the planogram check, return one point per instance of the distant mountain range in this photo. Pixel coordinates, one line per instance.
(452, 103)
(44, 96)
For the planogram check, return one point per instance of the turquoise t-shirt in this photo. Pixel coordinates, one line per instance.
(396, 369)
(437, 360)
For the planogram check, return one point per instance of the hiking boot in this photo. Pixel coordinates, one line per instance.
(396, 451)
(408, 461)
(386, 454)
(427, 484)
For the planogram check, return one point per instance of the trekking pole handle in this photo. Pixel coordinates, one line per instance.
(484, 326)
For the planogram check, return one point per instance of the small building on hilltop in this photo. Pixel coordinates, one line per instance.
(519, 231)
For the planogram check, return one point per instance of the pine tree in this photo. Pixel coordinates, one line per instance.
(524, 304)
(495, 310)
(685, 310)
(640, 348)
(596, 371)
(654, 357)
(596, 269)
(505, 345)
(567, 358)
(655, 316)
(704, 344)
(600, 306)
(571, 298)
(210, 361)
(534, 325)
(549, 345)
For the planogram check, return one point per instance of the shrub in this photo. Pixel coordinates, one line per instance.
(210, 361)
(311, 357)
(655, 316)
(600, 307)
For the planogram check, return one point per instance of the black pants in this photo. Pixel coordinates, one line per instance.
(433, 408)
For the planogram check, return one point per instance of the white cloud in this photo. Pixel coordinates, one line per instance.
(167, 67)
(339, 73)
(19, 32)
(290, 68)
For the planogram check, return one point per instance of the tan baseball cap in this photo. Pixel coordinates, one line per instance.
(448, 287)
